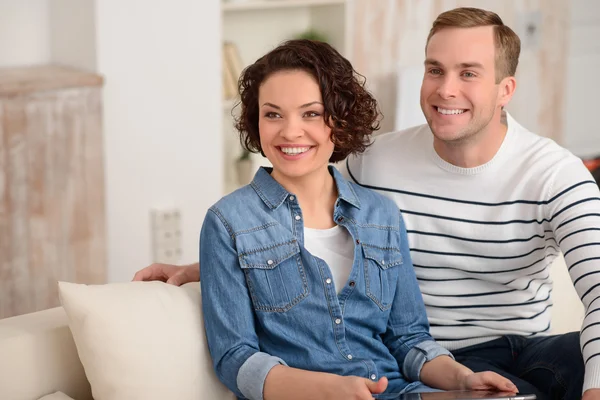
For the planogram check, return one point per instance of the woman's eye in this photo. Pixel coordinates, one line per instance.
(312, 114)
(271, 115)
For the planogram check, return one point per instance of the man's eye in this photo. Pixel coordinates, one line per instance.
(435, 71)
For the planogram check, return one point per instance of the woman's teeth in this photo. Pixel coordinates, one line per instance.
(292, 151)
(449, 112)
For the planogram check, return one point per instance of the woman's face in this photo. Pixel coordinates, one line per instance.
(293, 133)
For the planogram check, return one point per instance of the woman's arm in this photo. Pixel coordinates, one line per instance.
(231, 333)
(229, 314)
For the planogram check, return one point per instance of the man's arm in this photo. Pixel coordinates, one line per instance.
(573, 210)
(409, 340)
(172, 274)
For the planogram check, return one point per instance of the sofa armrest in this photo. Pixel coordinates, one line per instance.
(39, 357)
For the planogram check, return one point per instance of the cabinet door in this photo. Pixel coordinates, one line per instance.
(51, 196)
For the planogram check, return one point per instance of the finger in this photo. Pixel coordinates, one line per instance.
(177, 279)
(500, 382)
(377, 387)
(154, 272)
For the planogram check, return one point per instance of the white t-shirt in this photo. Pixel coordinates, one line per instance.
(335, 247)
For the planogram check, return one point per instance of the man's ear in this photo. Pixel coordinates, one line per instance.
(508, 86)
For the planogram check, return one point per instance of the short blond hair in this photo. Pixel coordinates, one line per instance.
(508, 44)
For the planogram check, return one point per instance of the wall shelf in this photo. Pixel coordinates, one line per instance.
(249, 5)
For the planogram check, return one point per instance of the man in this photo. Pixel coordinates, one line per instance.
(488, 207)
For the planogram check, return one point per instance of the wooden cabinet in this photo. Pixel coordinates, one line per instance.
(52, 214)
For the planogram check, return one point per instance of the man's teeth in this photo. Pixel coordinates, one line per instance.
(449, 112)
(294, 150)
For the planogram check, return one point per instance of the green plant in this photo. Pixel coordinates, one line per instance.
(244, 156)
(313, 34)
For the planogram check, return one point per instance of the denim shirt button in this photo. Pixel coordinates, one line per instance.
(349, 356)
(340, 219)
(352, 283)
(270, 262)
(328, 281)
(338, 321)
(297, 218)
(292, 198)
(382, 262)
(373, 377)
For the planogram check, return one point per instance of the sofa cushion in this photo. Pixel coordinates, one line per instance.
(141, 340)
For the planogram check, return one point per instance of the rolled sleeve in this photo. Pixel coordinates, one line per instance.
(419, 355)
(252, 374)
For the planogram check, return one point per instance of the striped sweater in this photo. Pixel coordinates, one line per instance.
(483, 239)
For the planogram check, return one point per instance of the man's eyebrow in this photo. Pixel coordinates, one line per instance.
(471, 64)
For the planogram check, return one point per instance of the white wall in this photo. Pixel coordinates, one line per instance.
(23, 32)
(581, 131)
(72, 33)
(162, 121)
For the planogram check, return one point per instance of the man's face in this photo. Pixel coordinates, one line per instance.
(459, 94)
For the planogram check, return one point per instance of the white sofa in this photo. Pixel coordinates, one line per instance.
(38, 354)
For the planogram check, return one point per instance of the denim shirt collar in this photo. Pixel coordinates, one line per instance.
(273, 194)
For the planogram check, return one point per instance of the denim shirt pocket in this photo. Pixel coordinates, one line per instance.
(381, 273)
(275, 276)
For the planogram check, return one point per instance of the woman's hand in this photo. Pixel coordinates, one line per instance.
(487, 381)
(285, 383)
(356, 388)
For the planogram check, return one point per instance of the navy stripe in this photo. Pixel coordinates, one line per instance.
(580, 246)
(590, 357)
(576, 218)
(579, 231)
(583, 276)
(479, 326)
(508, 319)
(478, 272)
(589, 290)
(493, 305)
(582, 261)
(574, 204)
(590, 304)
(482, 256)
(588, 342)
(593, 311)
(478, 240)
(446, 280)
(470, 294)
(489, 293)
(470, 221)
(589, 326)
(477, 203)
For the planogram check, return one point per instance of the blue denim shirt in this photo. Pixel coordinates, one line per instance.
(268, 301)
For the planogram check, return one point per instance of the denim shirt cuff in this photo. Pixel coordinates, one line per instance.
(252, 374)
(419, 355)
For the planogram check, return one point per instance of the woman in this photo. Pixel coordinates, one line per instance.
(308, 288)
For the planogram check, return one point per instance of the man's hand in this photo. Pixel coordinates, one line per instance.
(591, 394)
(487, 381)
(172, 274)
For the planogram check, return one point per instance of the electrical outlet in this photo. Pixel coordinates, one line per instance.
(166, 235)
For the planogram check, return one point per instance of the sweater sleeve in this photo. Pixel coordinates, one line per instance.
(573, 210)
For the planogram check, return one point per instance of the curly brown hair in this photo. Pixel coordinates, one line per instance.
(351, 111)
